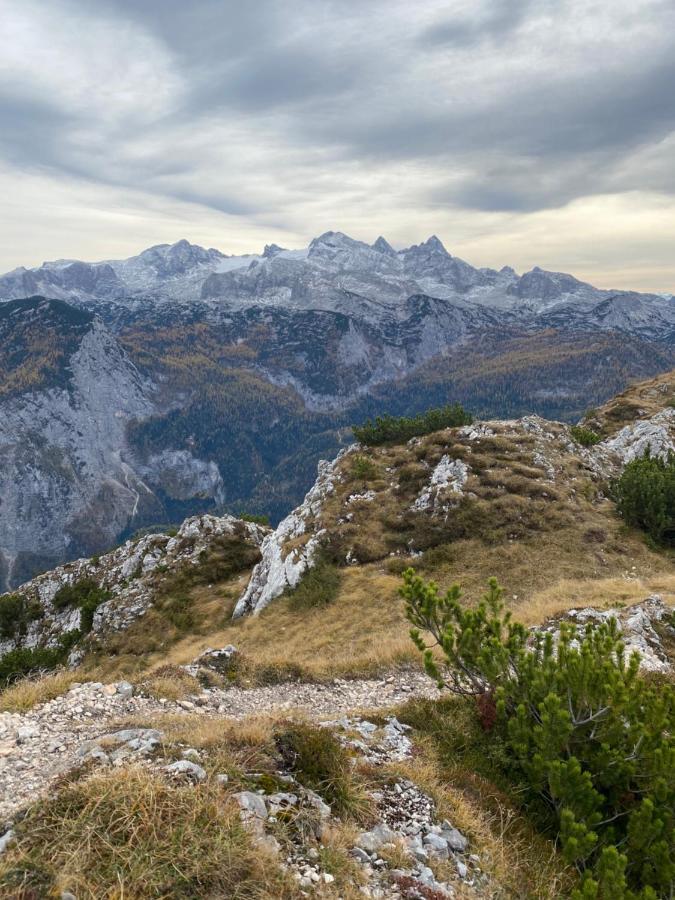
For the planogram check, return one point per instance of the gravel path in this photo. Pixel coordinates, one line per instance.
(38, 746)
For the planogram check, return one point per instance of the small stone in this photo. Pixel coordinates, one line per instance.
(192, 754)
(27, 733)
(183, 768)
(125, 690)
(360, 855)
(5, 840)
(328, 878)
(109, 690)
(252, 803)
(222, 778)
(461, 868)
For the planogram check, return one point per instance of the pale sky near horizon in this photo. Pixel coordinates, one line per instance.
(521, 132)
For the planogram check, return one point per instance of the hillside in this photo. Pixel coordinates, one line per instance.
(234, 375)
(518, 499)
(179, 714)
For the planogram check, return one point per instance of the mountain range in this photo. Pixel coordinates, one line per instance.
(181, 381)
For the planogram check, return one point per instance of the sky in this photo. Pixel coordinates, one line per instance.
(521, 132)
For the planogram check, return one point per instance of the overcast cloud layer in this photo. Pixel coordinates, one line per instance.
(521, 131)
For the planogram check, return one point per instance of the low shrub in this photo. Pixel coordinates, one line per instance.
(390, 429)
(645, 496)
(585, 436)
(321, 763)
(16, 613)
(24, 661)
(362, 468)
(590, 740)
(255, 518)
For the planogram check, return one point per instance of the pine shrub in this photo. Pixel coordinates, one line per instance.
(585, 436)
(583, 731)
(645, 496)
(392, 429)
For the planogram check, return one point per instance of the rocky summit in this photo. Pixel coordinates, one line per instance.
(184, 381)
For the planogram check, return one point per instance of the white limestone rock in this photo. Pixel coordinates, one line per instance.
(447, 482)
(279, 569)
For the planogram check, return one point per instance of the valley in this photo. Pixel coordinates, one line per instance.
(182, 381)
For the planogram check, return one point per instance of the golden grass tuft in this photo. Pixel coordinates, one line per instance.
(130, 834)
(31, 692)
(170, 683)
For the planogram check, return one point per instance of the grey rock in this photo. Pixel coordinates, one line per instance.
(5, 840)
(455, 839)
(437, 845)
(191, 754)
(251, 803)
(377, 837)
(125, 689)
(317, 803)
(360, 855)
(132, 734)
(183, 768)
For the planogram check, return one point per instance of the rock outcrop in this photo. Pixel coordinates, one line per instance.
(645, 627)
(291, 549)
(128, 579)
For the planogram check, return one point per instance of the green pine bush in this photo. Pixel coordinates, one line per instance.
(392, 429)
(645, 496)
(585, 436)
(585, 734)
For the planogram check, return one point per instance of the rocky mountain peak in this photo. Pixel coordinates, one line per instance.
(272, 250)
(383, 246)
(331, 242)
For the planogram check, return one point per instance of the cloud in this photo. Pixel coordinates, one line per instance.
(483, 22)
(301, 117)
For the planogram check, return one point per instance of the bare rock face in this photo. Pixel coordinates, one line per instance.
(281, 566)
(70, 483)
(642, 627)
(130, 575)
(656, 434)
(447, 479)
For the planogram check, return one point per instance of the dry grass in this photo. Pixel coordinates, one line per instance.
(641, 400)
(170, 683)
(362, 631)
(601, 592)
(31, 692)
(129, 834)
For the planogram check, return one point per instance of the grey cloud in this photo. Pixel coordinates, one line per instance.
(493, 20)
(333, 81)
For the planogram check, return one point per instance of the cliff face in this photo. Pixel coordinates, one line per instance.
(69, 482)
